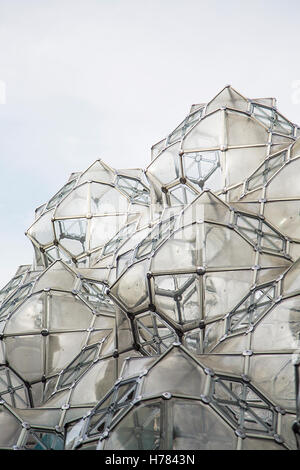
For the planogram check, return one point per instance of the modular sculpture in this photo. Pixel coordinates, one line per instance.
(162, 308)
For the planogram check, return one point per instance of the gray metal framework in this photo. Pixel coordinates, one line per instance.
(161, 310)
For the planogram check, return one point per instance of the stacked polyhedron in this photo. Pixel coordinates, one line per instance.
(162, 307)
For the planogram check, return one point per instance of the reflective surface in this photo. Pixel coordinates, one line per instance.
(161, 310)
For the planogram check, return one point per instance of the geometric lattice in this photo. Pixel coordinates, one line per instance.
(162, 308)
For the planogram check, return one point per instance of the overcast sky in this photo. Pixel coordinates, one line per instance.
(83, 79)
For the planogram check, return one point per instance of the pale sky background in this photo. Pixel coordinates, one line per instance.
(88, 79)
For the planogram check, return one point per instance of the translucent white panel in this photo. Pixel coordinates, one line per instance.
(104, 322)
(274, 375)
(103, 228)
(224, 247)
(97, 336)
(95, 383)
(208, 133)
(294, 250)
(165, 167)
(235, 193)
(223, 364)
(25, 355)
(68, 313)
(180, 251)
(287, 430)
(286, 182)
(216, 287)
(175, 373)
(28, 317)
(123, 331)
(139, 430)
(291, 281)
(250, 200)
(131, 288)
(206, 207)
(107, 200)
(98, 171)
(227, 97)
(72, 433)
(40, 416)
(10, 428)
(280, 142)
(122, 358)
(75, 204)
(285, 215)
(57, 277)
(42, 229)
(156, 148)
(295, 149)
(241, 162)
(134, 366)
(260, 444)
(280, 328)
(196, 426)
(235, 344)
(140, 213)
(244, 130)
(62, 348)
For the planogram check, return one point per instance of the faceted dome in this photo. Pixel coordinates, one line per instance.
(216, 146)
(161, 310)
(47, 321)
(86, 213)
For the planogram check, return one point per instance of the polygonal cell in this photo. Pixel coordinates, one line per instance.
(153, 334)
(260, 233)
(208, 259)
(116, 241)
(251, 309)
(111, 407)
(179, 296)
(43, 329)
(272, 119)
(266, 170)
(181, 195)
(38, 440)
(215, 276)
(186, 124)
(139, 430)
(228, 97)
(71, 234)
(66, 189)
(135, 190)
(247, 409)
(160, 232)
(88, 215)
(13, 390)
(77, 367)
(22, 274)
(198, 167)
